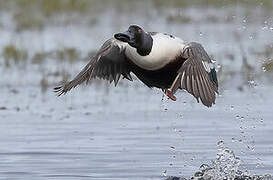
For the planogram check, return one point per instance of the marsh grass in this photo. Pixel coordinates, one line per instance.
(14, 55)
(35, 14)
(39, 57)
(27, 20)
(69, 54)
(51, 7)
(178, 18)
(211, 3)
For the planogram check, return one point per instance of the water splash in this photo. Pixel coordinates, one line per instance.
(224, 167)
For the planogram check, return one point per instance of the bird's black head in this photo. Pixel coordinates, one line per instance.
(133, 36)
(136, 37)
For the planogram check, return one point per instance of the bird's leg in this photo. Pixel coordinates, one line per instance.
(175, 85)
(169, 94)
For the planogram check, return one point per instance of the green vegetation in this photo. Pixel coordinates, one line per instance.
(51, 7)
(70, 54)
(35, 14)
(39, 57)
(178, 18)
(13, 54)
(27, 21)
(212, 3)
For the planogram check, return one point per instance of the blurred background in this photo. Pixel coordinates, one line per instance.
(56, 37)
(46, 42)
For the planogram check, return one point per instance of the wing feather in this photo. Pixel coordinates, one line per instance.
(109, 63)
(196, 75)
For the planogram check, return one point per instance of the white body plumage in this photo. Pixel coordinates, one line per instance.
(165, 49)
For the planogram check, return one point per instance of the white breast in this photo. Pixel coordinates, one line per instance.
(165, 49)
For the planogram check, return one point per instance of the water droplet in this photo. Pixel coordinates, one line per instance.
(220, 144)
(198, 174)
(264, 28)
(200, 34)
(267, 177)
(258, 165)
(225, 166)
(204, 167)
(264, 69)
(164, 173)
(232, 107)
(251, 82)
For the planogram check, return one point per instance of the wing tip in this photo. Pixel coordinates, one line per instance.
(205, 103)
(59, 90)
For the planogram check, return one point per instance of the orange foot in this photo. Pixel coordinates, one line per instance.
(169, 94)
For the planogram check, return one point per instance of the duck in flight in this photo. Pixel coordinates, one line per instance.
(158, 60)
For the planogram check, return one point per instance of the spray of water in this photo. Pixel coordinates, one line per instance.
(225, 167)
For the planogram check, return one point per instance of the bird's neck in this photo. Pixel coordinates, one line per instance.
(146, 45)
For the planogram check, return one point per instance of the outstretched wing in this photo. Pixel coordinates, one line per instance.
(109, 63)
(197, 75)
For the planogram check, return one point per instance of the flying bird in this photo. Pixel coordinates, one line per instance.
(158, 60)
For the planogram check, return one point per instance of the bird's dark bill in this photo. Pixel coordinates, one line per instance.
(124, 37)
